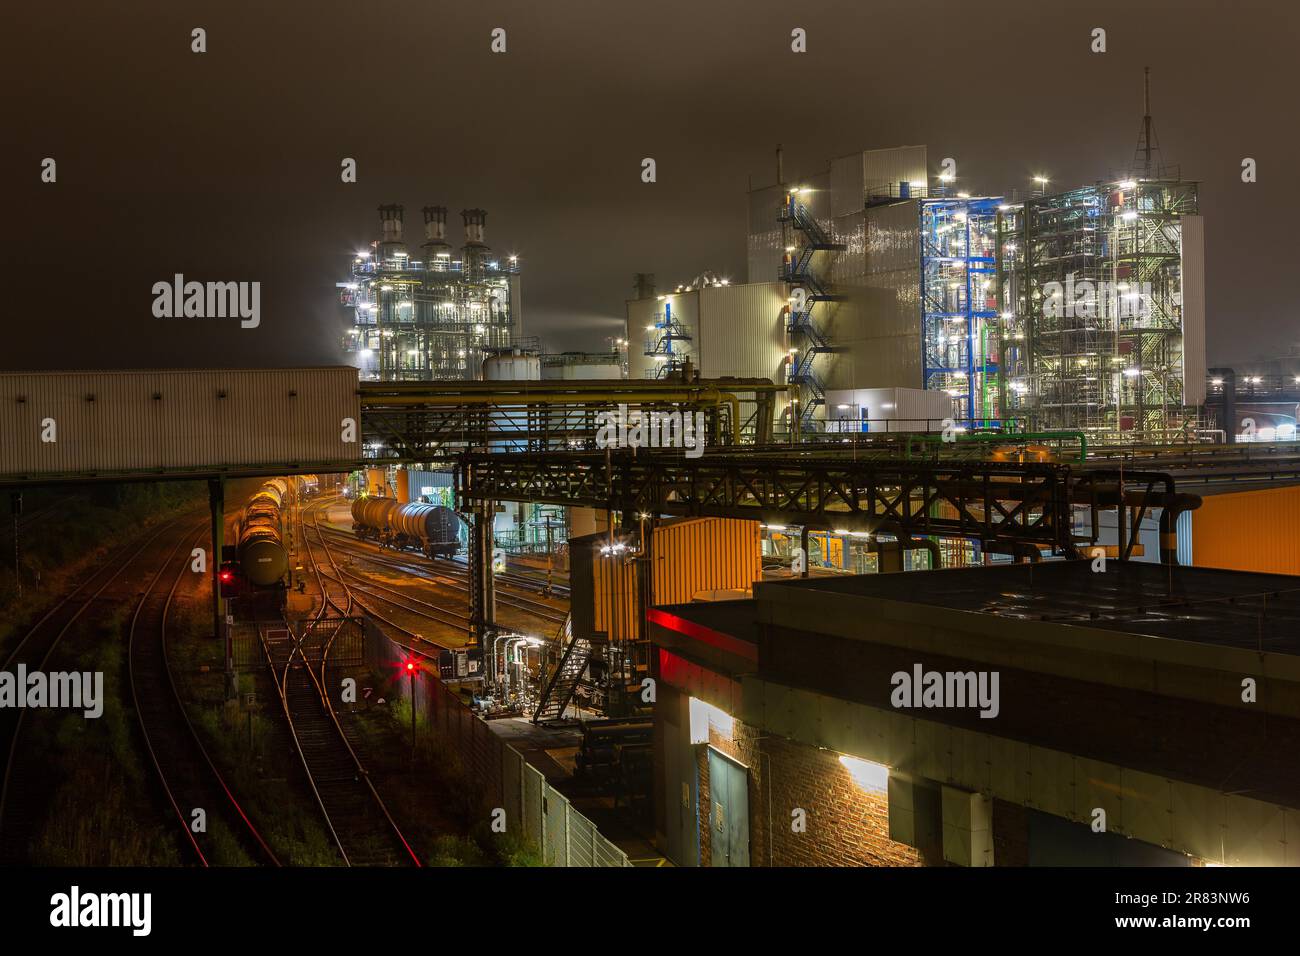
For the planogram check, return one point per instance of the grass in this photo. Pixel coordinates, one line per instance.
(432, 796)
(102, 811)
(87, 526)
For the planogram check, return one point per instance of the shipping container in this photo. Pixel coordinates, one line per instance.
(1248, 531)
(687, 557)
(173, 421)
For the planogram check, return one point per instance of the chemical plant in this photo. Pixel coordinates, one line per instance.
(929, 541)
(872, 283)
(431, 314)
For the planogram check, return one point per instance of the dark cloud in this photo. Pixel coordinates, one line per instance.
(225, 165)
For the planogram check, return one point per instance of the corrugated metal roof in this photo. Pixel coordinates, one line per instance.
(175, 421)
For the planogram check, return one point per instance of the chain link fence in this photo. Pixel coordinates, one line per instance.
(564, 835)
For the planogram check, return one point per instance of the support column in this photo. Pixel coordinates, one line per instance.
(482, 589)
(220, 625)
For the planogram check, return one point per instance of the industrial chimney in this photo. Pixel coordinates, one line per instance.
(474, 222)
(391, 246)
(435, 224)
(436, 251)
(390, 220)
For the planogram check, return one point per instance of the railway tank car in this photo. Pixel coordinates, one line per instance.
(431, 528)
(370, 517)
(262, 557)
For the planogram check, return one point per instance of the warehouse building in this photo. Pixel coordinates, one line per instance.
(1126, 717)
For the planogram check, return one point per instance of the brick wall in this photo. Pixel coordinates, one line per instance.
(845, 825)
(1010, 834)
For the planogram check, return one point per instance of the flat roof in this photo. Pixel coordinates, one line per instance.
(1203, 605)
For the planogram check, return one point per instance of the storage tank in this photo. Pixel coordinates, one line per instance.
(432, 528)
(582, 366)
(402, 485)
(371, 515)
(514, 366)
(261, 554)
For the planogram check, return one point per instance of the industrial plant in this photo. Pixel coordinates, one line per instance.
(810, 509)
(874, 280)
(432, 313)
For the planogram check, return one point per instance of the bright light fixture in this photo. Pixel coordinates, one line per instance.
(870, 776)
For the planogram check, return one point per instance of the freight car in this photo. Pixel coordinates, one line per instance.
(430, 529)
(263, 561)
(370, 516)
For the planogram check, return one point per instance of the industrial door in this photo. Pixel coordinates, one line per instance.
(681, 789)
(729, 813)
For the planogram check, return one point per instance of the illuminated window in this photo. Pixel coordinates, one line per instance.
(705, 716)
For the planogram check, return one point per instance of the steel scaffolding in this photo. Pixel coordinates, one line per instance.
(1090, 281)
(429, 316)
(961, 331)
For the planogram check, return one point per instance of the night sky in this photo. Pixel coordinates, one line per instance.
(225, 165)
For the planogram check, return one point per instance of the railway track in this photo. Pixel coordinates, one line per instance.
(23, 793)
(355, 814)
(189, 778)
(445, 569)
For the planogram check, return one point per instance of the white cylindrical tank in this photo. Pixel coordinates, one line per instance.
(582, 366)
(514, 367)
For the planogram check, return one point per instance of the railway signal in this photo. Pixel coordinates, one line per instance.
(412, 668)
(228, 577)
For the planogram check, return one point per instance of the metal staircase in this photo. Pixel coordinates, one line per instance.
(800, 325)
(564, 679)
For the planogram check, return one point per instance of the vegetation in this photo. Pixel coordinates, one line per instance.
(438, 804)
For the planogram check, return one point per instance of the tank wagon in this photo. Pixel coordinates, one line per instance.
(370, 517)
(262, 558)
(430, 529)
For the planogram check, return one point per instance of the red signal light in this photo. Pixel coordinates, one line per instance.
(410, 666)
(226, 577)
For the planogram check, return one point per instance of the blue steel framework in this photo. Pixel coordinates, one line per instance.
(659, 342)
(961, 338)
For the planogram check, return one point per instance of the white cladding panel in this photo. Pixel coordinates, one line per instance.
(877, 325)
(175, 420)
(764, 244)
(888, 409)
(884, 169)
